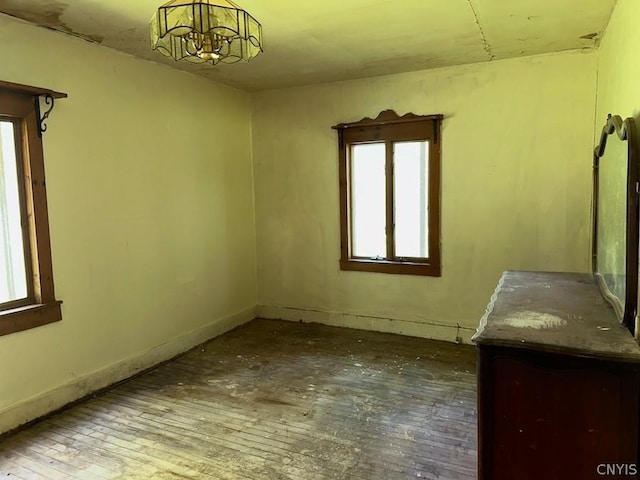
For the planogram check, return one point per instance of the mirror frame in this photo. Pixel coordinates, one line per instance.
(625, 130)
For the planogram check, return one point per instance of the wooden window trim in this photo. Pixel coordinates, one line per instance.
(30, 316)
(388, 127)
(30, 90)
(17, 102)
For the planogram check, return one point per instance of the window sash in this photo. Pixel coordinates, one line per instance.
(23, 206)
(390, 205)
(371, 192)
(411, 199)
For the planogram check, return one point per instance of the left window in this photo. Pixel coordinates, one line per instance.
(27, 297)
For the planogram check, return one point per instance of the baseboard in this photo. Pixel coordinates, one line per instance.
(52, 400)
(412, 328)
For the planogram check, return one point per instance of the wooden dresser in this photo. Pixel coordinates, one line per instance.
(558, 382)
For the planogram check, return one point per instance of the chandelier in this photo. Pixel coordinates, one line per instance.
(200, 32)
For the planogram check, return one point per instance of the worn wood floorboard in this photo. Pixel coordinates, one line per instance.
(271, 400)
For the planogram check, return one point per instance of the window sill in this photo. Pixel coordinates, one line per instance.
(31, 316)
(387, 266)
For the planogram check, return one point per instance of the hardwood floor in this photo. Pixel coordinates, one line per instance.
(271, 400)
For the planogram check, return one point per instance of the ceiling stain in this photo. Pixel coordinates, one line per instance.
(429, 34)
(47, 15)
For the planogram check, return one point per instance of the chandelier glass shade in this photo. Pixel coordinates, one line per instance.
(199, 31)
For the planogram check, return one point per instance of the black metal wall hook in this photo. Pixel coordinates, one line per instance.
(42, 117)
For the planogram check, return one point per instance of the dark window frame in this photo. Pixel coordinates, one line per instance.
(389, 128)
(18, 104)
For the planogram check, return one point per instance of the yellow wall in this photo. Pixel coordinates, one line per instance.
(150, 195)
(618, 66)
(516, 190)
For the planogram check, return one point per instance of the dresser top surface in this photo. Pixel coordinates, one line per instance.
(555, 312)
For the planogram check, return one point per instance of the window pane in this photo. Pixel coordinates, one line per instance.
(411, 202)
(368, 200)
(13, 274)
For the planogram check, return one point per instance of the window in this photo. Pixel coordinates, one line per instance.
(390, 194)
(27, 296)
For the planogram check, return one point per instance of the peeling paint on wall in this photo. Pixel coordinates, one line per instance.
(589, 36)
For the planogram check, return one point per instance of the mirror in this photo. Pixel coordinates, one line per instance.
(615, 225)
(612, 210)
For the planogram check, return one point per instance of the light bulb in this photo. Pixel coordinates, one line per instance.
(210, 56)
(206, 47)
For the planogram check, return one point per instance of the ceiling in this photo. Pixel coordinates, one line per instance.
(307, 41)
